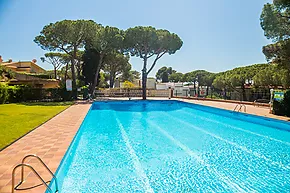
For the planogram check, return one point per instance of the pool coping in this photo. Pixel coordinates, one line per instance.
(51, 184)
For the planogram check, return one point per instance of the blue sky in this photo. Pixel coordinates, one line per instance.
(217, 34)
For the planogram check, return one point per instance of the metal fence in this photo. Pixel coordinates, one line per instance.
(249, 95)
(131, 93)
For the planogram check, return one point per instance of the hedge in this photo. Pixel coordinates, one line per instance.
(3, 93)
(23, 93)
(283, 107)
(43, 76)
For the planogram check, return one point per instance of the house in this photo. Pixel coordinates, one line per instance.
(26, 73)
(23, 66)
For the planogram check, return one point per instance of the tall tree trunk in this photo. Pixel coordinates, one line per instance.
(55, 72)
(65, 74)
(144, 82)
(144, 79)
(74, 84)
(78, 70)
(243, 92)
(95, 83)
(112, 79)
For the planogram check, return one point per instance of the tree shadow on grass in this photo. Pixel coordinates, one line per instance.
(47, 103)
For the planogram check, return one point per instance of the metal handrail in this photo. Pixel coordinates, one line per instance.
(240, 107)
(40, 160)
(22, 174)
(35, 172)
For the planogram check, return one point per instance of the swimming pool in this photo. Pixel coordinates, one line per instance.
(172, 146)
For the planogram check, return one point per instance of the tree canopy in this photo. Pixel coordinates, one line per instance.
(275, 21)
(67, 36)
(272, 75)
(91, 57)
(238, 78)
(105, 41)
(130, 75)
(115, 64)
(164, 73)
(203, 77)
(56, 59)
(147, 42)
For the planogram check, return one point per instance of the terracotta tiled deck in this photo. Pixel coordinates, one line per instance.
(261, 111)
(49, 141)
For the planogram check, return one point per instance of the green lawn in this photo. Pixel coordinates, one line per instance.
(18, 119)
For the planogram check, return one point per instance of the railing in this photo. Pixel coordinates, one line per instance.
(22, 165)
(131, 93)
(239, 107)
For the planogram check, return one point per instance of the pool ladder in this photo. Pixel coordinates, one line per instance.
(22, 165)
(239, 108)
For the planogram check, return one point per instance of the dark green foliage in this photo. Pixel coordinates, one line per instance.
(43, 76)
(203, 77)
(275, 21)
(56, 59)
(116, 64)
(23, 93)
(105, 41)
(3, 93)
(278, 108)
(175, 77)
(237, 77)
(90, 66)
(147, 42)
(286, 103)
(130, 76)
(67, 36)
(164, 73)
(6, 74)
(282, 107)
(272, 75)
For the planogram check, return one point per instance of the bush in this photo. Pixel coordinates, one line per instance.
(42, 76)
(282, 107)
(13, 92)
(3, 93)
(23, 93)
(20, 93)
(286, 103)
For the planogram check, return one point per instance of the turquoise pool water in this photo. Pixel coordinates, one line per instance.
(172, 146)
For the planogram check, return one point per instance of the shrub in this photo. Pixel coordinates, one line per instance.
(128, 84)
(41, 75)
(3, 93)
(13, 92)
(282, 107)
(23, 93)
(286, 103)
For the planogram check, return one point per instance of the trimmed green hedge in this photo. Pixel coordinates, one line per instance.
(22, 93)
(283, 107)
(43, 76)
(3, 93)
